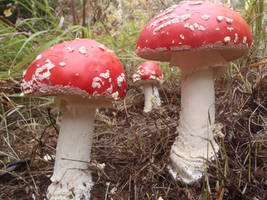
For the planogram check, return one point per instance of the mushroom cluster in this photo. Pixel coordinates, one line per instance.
(83, 75)
(200, 37)
(149, 75)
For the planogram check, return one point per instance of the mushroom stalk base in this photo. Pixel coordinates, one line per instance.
(152, 99)
(195, 143)
(72, 178)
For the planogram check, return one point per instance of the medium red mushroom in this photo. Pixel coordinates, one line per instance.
(200, 37)
(83, 75)
(149, 75)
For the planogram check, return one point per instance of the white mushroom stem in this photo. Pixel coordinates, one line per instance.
(71, 175)
(152, 99)
(195, 143)
(156, 95)
(197, 107)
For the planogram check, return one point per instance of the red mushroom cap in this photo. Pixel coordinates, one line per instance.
(196, 25)
(80, 67)
(148, 72)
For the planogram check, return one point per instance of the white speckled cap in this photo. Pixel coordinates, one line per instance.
(194, 26)
(148, 72)
(80, 67)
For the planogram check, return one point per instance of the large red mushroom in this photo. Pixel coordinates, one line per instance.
(83, 75)
(200, 37)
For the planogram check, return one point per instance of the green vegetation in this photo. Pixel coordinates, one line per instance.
(134, 147)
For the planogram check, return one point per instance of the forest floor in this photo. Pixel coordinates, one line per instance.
(134, 147)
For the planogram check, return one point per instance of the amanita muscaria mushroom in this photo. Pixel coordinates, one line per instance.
(200, 37)
(83, 75)
(149, 76)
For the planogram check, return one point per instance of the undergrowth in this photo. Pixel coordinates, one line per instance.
(133, 146)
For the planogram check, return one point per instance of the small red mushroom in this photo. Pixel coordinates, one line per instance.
(83, 75)
(149, 76)
(200, 37)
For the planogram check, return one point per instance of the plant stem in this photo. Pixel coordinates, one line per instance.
(73, 12)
